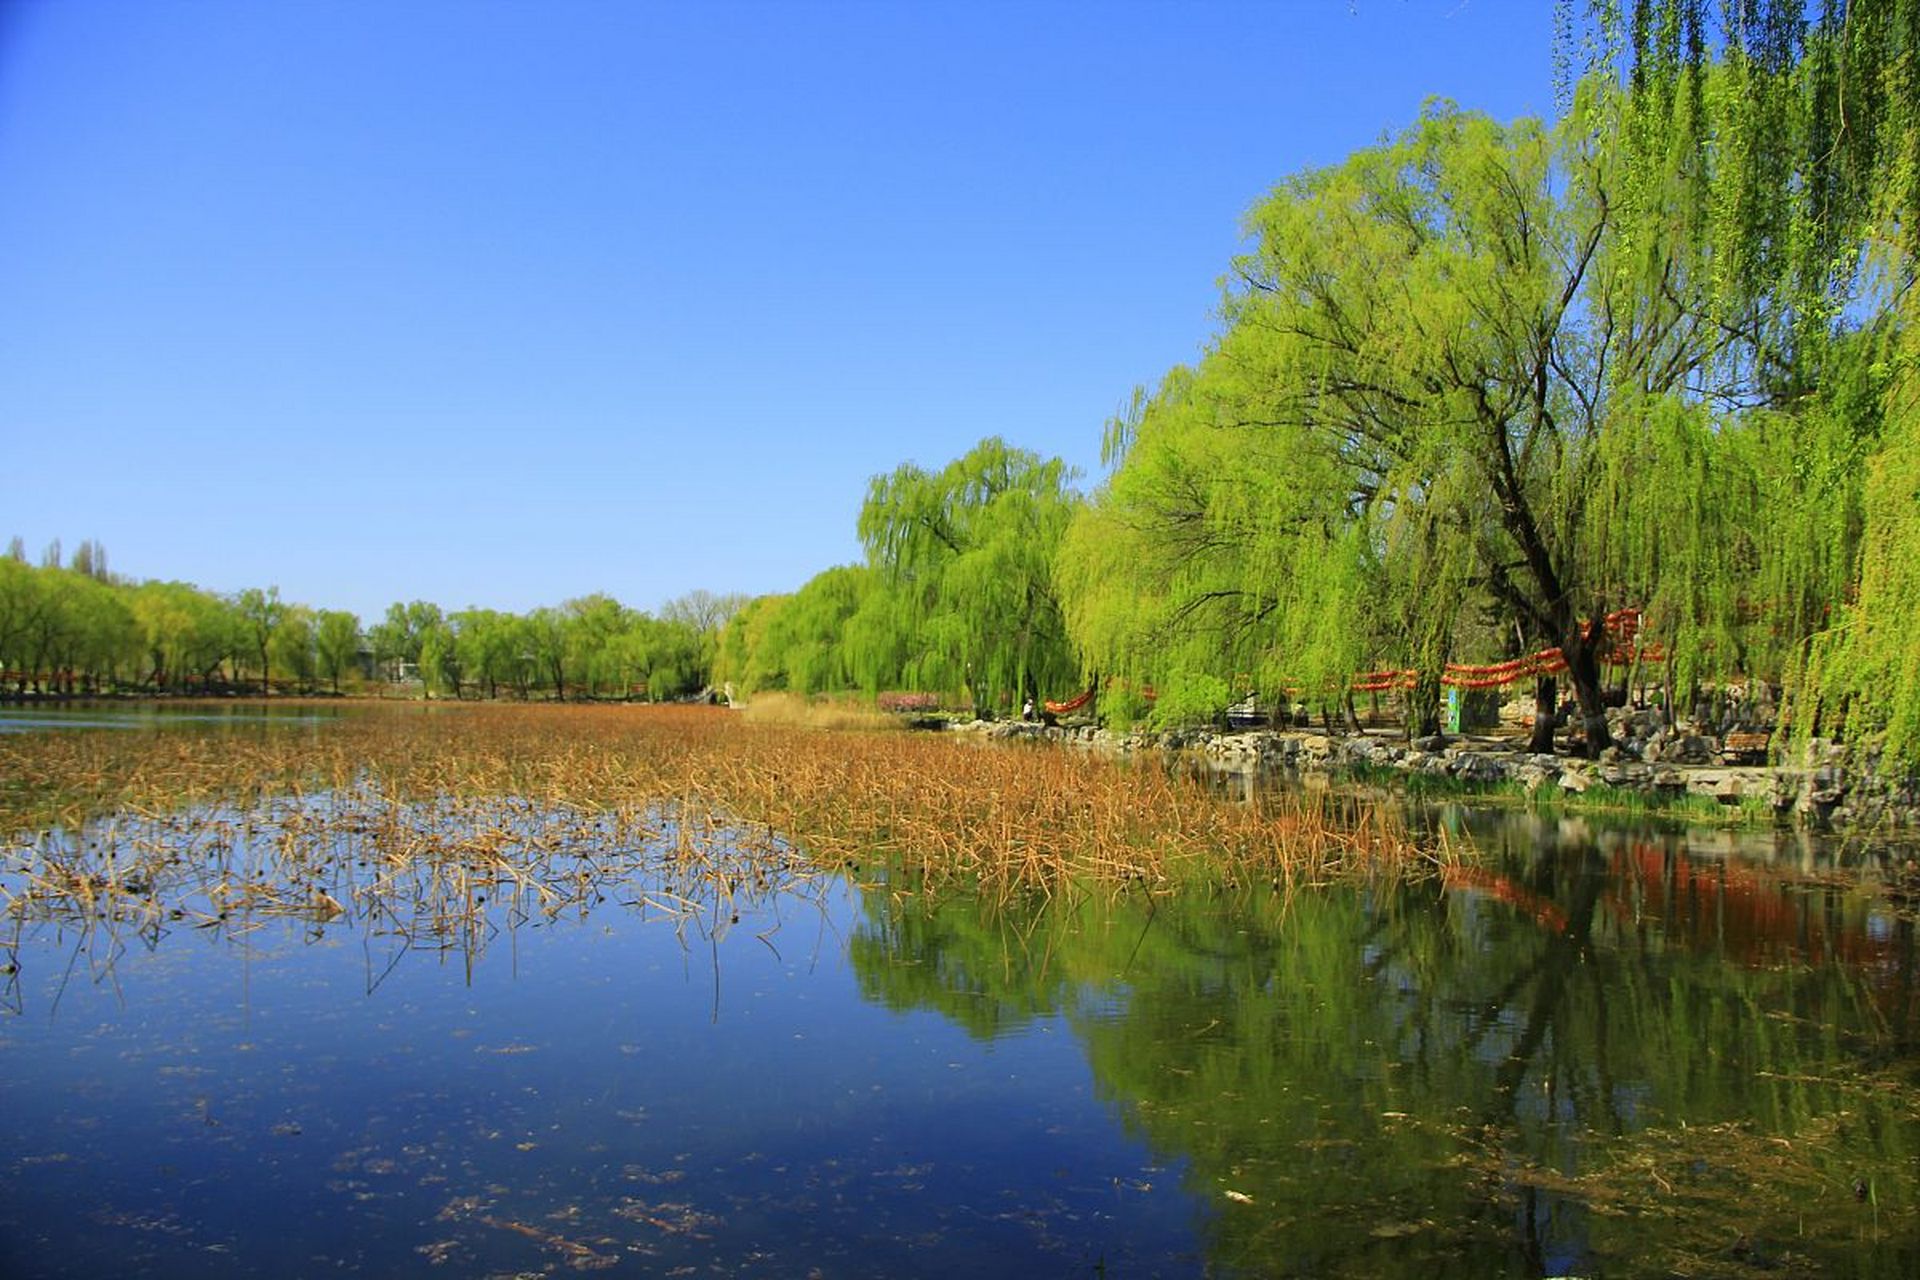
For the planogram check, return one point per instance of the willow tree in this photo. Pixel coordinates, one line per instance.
(967, 556)
(185, 631)
(1801, 131)
(294, 645)
(336, 643)
(740, 657)
(877, 642)
(802, 646)
(397, 638)
(1211, 563)
(1797, 129)
(1868, 667)
(263, 613)
(672, 654)
(1449, 326)
(593, 625)
(546, 633)
(20, 598)
(440, 670)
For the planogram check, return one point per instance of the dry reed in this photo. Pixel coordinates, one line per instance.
(440, 829)
(825, 712)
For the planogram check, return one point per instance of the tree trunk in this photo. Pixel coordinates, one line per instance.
(1423, 707)
(1583, 672)
(1546, 697)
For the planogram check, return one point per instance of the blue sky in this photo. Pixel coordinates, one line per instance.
(501, 303)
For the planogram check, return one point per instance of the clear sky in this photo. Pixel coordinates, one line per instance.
(498, 304)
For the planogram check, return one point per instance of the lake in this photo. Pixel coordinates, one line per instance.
(288, 1043)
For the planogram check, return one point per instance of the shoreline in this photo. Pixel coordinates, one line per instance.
(1833, 787)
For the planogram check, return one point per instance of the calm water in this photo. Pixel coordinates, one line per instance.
(1609, 1051)
(194, 714)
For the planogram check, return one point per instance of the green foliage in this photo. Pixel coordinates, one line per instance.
(440, 670)
(336, 644)
(804, 636)
(186, 632)
(72, 631)
(957, 594)
(966, 555)
(398, 637)
(703, 615)
(592, 626)
(293, 649)
(493, 650)
(745, 661)
(1436, 359)
(1800, 150)
(262, 613)
(1867, 669)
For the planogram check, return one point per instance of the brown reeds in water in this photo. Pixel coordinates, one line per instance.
(440, 829)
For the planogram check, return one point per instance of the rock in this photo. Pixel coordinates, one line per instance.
(1533, 776)
(1625, 776)
(1838, 786)
(1692, 748)
(1477, 766)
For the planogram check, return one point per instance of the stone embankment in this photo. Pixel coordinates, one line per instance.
(1825, 784)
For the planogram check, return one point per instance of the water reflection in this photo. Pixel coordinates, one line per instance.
(1596, 1053)
(522, 1039)
(153, 715)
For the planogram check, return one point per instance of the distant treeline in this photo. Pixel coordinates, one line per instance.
(1475, 389)
(76, 628)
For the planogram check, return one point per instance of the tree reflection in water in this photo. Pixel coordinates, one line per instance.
(1599, 1049)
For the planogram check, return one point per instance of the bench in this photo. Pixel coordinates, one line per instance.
(1745, 748)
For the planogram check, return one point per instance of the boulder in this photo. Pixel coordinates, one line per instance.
(1534, 776)
(1476, 766)
(1627, 775)
(1690, 748)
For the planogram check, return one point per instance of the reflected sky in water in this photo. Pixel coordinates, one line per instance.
(596, 1092)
